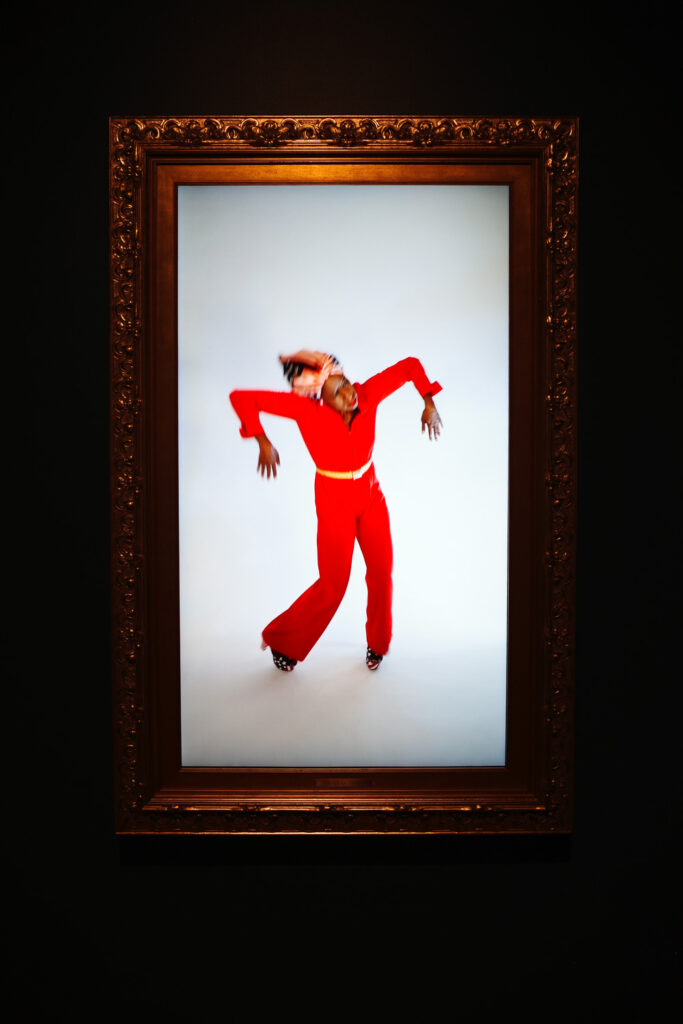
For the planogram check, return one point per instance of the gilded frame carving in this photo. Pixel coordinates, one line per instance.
(532, 793)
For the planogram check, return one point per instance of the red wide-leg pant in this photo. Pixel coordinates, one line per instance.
(347, 509)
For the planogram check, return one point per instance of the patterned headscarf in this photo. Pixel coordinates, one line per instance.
(307, 371)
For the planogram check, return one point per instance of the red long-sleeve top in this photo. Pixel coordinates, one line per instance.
(332, 444)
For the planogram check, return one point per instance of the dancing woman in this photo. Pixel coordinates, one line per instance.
(337, 423)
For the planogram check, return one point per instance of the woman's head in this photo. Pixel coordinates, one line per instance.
(339, 393)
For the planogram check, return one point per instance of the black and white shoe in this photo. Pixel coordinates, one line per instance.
(373, 660)
(282, 662)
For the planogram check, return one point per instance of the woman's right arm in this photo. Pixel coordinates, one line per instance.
(248, 405)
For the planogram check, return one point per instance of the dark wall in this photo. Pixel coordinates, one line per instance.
(168, 925)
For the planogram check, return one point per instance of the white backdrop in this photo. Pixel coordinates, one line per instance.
(371, 274)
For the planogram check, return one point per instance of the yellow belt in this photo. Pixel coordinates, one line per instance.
(351, 474)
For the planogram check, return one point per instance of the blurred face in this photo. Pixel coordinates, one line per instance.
(340, 394)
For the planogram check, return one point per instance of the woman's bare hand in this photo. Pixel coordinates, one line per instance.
(431, 419)
(268, 458)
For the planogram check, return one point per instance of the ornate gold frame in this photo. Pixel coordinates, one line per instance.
(539, 159)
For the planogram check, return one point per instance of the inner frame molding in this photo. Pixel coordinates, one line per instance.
(538, 160)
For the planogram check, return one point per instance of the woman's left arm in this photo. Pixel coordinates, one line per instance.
(380, 386)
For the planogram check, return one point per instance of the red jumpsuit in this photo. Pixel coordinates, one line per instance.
(347, 509)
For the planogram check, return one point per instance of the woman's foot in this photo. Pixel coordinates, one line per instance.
(282, 662)
(372, 660)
